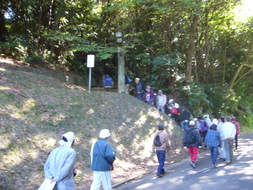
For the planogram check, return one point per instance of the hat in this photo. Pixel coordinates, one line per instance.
(67, 139)
(215, 121)
(195, 119)
(160, 126)
(206, 116)
(148, 87)
(192, 123)
(171, 100)
(137, 79)
(104, 133)
(160, 91)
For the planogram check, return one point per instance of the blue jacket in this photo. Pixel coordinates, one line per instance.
(213, 138)
(102, 156)
(107, 81)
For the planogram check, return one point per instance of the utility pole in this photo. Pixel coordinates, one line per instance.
(121, 63)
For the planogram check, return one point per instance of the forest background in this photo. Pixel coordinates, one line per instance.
(199, 48)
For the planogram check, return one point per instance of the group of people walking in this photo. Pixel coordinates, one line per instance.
(59, 167)
(219, 135)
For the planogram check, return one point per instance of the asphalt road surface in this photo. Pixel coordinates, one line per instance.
(237, 176)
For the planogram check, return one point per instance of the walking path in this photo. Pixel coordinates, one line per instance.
(182, 176)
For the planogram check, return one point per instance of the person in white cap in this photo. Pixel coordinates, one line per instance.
(139, 89)
(102, 158)
(192, 141)
(59, 166)
(173, 107)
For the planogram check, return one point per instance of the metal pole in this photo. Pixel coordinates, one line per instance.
(89, 79)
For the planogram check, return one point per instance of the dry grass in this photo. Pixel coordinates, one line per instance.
(36, 110)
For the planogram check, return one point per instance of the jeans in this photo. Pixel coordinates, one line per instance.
(184, 124)
(214, 152)
(228, 149)
(159, 107)
(161, 159)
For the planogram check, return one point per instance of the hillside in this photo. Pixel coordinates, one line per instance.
(36, 110)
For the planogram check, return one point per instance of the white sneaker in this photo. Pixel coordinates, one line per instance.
(193, 165)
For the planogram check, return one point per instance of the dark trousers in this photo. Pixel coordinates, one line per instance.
(161, 159)
(236, 140)
(139, 96)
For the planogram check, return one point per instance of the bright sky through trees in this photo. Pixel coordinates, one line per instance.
(245, 10)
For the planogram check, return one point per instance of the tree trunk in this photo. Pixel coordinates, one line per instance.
(3, 30)
(190, 51)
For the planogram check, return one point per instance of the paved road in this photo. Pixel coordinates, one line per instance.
(238, 175)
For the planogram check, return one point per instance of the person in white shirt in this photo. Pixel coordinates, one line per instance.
(219, 128)
(229, 131)
(161, 100)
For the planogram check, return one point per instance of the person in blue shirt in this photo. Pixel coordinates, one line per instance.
(102, 158)
(213, 141)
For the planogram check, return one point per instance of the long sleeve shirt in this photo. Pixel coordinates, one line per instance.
(161, 100)
(60, 166)
(212, 138)
(164, 139)
(229, 130)
(102, 156)
(219, 128)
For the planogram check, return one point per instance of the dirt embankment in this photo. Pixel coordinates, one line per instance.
(36, 110)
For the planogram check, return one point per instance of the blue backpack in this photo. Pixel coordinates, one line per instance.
(203, 126)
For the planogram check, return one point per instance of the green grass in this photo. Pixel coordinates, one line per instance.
(36, 110)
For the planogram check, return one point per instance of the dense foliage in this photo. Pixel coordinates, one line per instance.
(195, 46)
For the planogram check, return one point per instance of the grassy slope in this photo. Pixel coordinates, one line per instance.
(36, 110)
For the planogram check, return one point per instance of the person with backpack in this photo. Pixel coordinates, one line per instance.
(160, 146)
(237, 127)
(202, 129)
(213, 141)
(107, 82)
(127, 83)
(192, 141)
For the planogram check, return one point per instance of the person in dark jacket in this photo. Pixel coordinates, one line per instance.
(139, 89)
(102, 158)
(184, 116)
(193, 143)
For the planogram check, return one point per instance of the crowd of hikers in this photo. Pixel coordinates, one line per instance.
(202, 132)
(220, 135)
